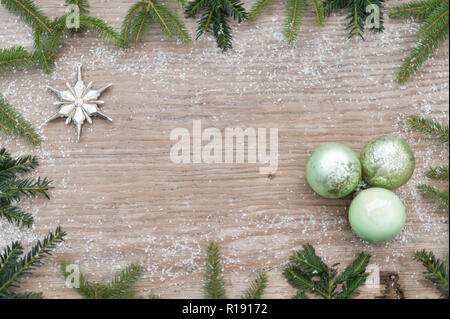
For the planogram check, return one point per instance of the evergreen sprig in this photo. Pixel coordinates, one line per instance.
(430, 36)
(11, 121)
(437, 270)
(11, 187)
(14, 266)
(16, 58)
(358, 13)
(140, 16)
(308, 273)
(120, 287)
(432, 128)
(48, 34)
(294, 15)
(29, 12)
(215, 18)
(441, 132)
(214, 285)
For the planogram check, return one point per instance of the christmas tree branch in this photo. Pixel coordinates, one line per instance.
(430, 127)
(440, 197)
(15, 269)
(431, 35)
(48, 35)
(257, 287)
(11, 121)
(439, 173)
(417, 9)
(437, 271)
(258, 8)
(307, 272)
(29, 12)
(214, 283)
(119, 288)
(16, 58)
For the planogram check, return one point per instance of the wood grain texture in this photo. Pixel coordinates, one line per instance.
(121, 199)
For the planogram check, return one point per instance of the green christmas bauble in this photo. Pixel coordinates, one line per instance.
(387, 162)
(333, 170)
(377, 215)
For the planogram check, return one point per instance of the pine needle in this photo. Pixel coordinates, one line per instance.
(16, 58)
(11, 121)
(430, 127)
(101, 28)
(13, 267)
(214, 283)
(440, 197)
(294, 16)
(437, 270)
(439, 173)
(120, 286)
(431, 35)
(308, 273)
(29, 12)
(215, 18)
(257, 287)
(258, 8)
(357, 14)
(11, 187)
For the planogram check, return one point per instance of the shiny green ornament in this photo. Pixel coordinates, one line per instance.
(387, 161)
(333, 170)
(377, 215)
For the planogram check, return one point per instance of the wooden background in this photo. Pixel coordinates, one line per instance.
(121, 199)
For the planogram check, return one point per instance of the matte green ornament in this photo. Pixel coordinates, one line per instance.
(387, 161)
(377, 215)
(333, 170)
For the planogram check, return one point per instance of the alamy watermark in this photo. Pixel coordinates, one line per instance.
(221, 148)
(373, 17)
(73, 17)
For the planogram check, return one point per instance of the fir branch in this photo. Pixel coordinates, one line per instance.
(439, 173)
(168, 21)
(135, 23)
(437, 270)
(308, 273)
(215, 18)
(119, 288)
(257, 287)
(418, 9)
(101, 28)
(294, 16)
(16, 58)
(214, 283)
(10, 167)
(440, 132)
(14, 215)
(17, 268)
(258, 8)
(441, 197)
(11, 121)
(83, 5)
(429, 127)
(29, 12)
(431, 35)
(13, 188)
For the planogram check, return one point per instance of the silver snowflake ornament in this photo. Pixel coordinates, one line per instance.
(79, 103)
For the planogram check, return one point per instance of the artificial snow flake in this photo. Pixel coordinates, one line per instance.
(79, 103)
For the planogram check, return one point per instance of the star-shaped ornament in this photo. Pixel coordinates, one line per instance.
(79, 103)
